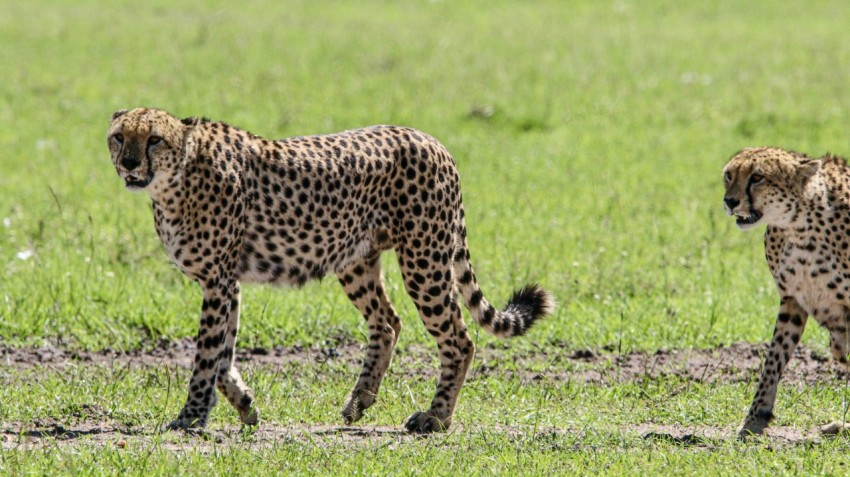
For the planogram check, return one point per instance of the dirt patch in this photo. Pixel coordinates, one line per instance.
(739, 362)
(735, 363)
(179, 353)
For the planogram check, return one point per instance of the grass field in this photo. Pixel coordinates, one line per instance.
(590, 138)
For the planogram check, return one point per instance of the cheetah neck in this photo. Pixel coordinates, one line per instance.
(812, 207)
(816, 192)
(165, 195)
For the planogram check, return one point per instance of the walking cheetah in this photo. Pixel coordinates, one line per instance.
(233, 207)
(805, 204)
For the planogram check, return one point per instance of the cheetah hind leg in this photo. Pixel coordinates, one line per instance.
(439, 311)
(363, 283)
(229, 381)
(456, 351)
(839, 346)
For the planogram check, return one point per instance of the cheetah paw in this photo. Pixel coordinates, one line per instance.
(754, 426)
(354, 406)
(745, 434)
(351, 413)
(425, 423)
(185, 425)
(183, 422)
(250, 418)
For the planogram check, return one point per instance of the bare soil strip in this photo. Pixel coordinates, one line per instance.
(51, 433)
(734, 363)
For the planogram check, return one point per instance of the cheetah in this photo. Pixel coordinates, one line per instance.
(231, 207)
(805, 204)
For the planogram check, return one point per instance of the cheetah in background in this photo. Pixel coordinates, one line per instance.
(233, 207)
(805, 204)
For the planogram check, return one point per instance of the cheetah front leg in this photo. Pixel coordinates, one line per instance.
(210, 346)
(790, 323)
(230, 381)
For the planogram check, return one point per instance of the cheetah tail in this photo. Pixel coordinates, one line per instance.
(527, 305)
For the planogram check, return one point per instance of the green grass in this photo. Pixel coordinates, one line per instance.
(590, 138)
(507, 427)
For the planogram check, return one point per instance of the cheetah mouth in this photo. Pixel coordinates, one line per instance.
(749, 221)
(133, 182)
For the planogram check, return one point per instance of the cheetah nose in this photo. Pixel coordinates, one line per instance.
(731, 202)
(130, 162)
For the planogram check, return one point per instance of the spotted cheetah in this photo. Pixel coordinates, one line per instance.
(233, 207)
(805, 204)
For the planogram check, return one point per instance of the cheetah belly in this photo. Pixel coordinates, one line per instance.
(278, 263)
(286, 259)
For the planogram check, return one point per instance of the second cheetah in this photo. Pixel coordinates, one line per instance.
(805, 203)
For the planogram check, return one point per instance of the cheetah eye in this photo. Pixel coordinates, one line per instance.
(727, 176)
(154, 141)
(118, 138)
(756, 179)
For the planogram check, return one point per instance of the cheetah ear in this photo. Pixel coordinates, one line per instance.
(190, 146)
(807, 170)
(118, 114)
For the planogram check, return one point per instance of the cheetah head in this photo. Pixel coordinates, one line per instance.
(146, 146)
(766, 185)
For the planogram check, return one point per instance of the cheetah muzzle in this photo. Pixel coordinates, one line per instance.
(136, 182)
(747, 221)
(805, 204)
(231, 207)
